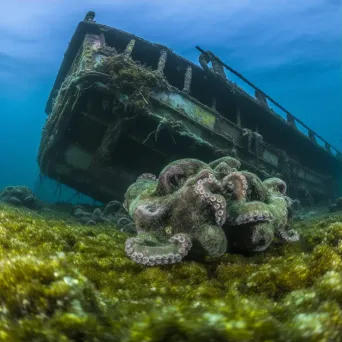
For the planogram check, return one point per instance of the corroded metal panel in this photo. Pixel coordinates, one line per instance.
(270, 157)
(187, 107)
(229, 130)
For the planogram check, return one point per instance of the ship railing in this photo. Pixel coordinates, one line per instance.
(262, 97)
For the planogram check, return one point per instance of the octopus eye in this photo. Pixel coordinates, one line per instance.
(151, 208)
(282, 188)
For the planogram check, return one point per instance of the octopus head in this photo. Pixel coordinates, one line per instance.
(174, 175)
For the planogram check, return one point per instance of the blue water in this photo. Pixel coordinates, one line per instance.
(290, 50)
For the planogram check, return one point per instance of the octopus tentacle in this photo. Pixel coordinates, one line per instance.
(229, 161)
(144, 183)
(174, 175)
(256, 189)
(275, 184)
(262, 237)
(203, 188)
(251, 226)
(290, 235)
(236, 183)
(165, 185)
(222, 170)
(147, 176)
(125, 204)
(252, 217)
(150, 210)
(249, 213)
(212, 239)
(149, 215)
(174, 251)
(204, 173)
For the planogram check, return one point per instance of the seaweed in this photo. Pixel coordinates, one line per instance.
(61, 281)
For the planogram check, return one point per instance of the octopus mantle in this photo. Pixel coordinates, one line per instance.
(204, 209)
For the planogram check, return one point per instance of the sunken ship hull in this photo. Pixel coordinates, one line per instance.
(122, 106)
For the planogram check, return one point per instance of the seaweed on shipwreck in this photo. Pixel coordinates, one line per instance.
(118, 75)
(115, 91)
(129, 78)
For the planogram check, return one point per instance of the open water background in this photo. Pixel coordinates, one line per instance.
(291, 50)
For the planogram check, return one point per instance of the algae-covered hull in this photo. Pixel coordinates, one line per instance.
(122, 106)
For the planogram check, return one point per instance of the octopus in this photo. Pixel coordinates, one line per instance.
(195, 208)
(265, 213)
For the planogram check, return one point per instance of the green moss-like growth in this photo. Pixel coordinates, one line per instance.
(65, 282)
(132, 80)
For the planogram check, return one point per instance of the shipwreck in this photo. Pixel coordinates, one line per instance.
(122, 106)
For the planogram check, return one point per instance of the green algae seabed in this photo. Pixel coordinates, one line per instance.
(60, 281)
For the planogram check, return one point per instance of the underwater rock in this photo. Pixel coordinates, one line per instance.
(295, 206)
(306, 215)
(336, 206)
(20, 196)
(205, 209)
(112, 213)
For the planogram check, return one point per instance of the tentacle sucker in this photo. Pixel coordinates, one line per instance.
(174, 251)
